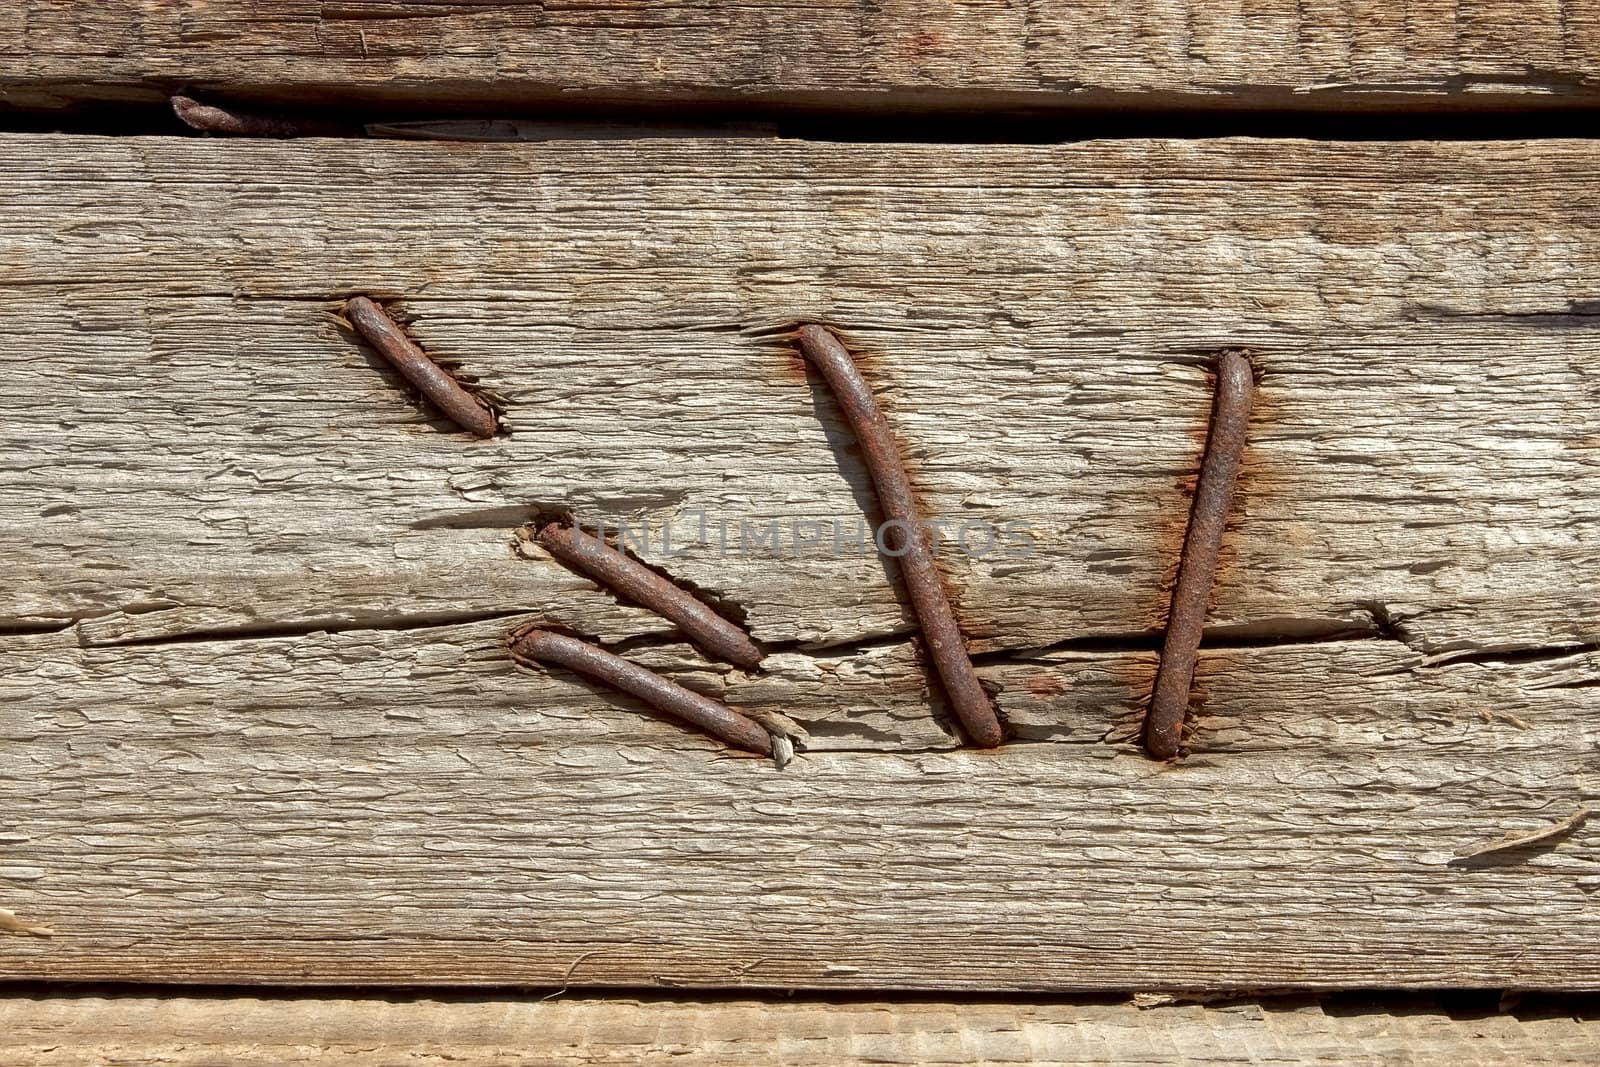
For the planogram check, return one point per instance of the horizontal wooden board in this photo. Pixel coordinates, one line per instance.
(1423, 452)
(110, 1031)
(260, 725)
(396, 807)
(889, 56)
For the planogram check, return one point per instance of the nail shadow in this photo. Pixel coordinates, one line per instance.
(846, 453)
(626, 701)
(1513, 856)
(436, 420)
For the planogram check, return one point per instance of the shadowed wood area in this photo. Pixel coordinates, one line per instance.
(112, 1031)
(259, 721)
(843, 55)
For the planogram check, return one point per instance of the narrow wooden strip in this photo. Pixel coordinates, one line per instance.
(894, 57)
(188, 1031)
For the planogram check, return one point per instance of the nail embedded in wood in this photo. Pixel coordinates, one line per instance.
(664, 695)
(436, 383)
(632, 580)
(905, 534)
(1197, 567)
(208, 118)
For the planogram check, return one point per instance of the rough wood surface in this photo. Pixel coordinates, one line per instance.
(61, 1031)
(886, 55)
(259, 725)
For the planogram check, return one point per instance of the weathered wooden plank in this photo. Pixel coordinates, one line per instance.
(894, 56)
(1423, 457)
(404, 806)
(200, 471)
(116, 1030)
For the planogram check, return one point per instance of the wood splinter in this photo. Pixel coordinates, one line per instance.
(1515, 840)
(1197, 567)
(663, 694)
(906, 535)
(436, 383)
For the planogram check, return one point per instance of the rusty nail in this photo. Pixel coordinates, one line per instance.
(208, 118)
(634, 581)
(1197, 567)
(436, 383)
(906, 532)
(660, 693)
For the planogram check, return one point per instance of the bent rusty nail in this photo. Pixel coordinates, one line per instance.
(208, 118)
(634, 581)
(1197, 567)
(660, 693)
(946, 647)
(436, 383)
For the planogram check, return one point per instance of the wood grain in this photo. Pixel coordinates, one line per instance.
(259, 725)
(393, 807)
(1422, 458)
(888, 56)
(110, 1031)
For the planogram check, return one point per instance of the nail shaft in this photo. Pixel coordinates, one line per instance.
(1197, 568)
(209, 118)
(383, 334)
(905, 534)
(660, 693)
(632, 580)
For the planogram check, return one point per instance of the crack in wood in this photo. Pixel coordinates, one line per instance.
(274, 632)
